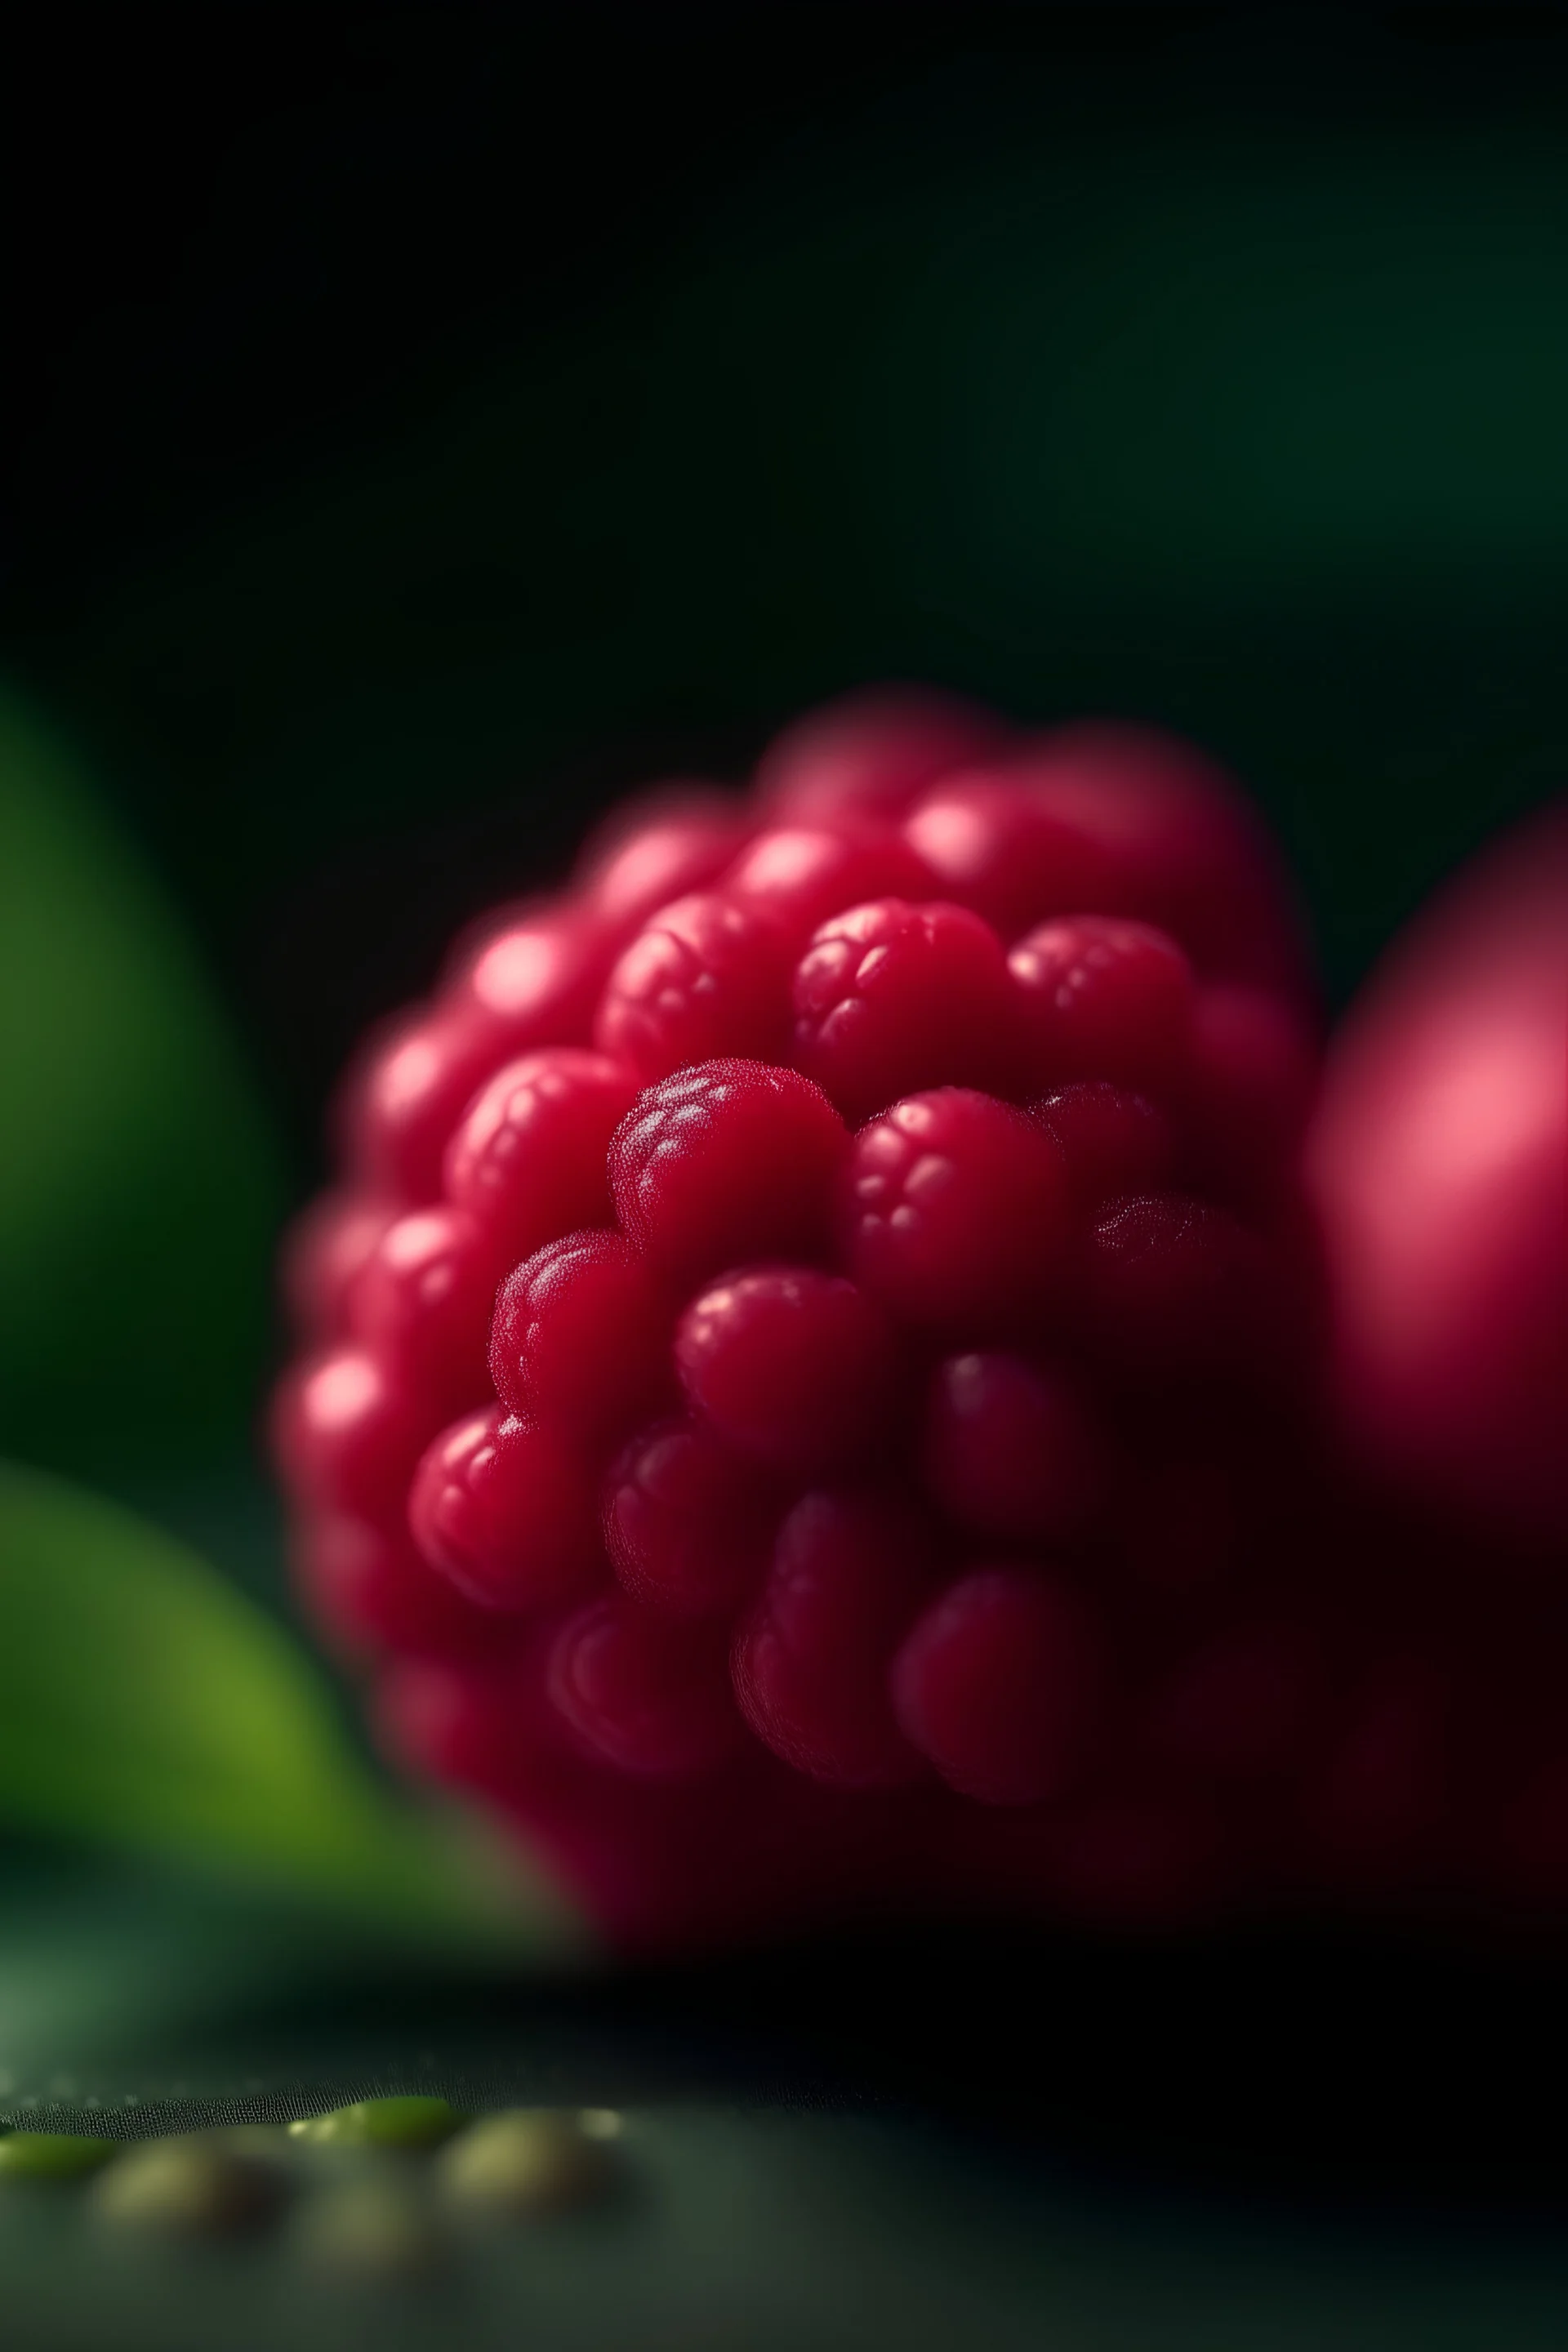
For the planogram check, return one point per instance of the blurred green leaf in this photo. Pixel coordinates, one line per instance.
(145, 1703)
(139, 1187)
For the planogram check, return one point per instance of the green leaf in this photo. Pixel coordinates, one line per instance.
(139, 1184)
(146, 1703)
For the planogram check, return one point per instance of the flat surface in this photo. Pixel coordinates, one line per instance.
(914, 2142)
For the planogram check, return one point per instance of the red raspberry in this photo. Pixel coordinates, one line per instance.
(463, 1726)
(996, 848)
(651, 1698)
(421, 1303)
(688, 1527)
(954, 1212)
(889, 998)
(1191, 852)
(791, 1368)
(1113, 1140)
(812, 1661)
(706, 977)
(1247, 1091)
(870, 753)
(505, 1510)
(370, 1589)
(528, 1161)
(409, 1094)
(1437, 1162)
(774, 1522)
(1173, 1286)
(581, 1335)
(996, 1684)
(322, 1252)
(347, 1435)
(533, 983)
(660, 848)
(1012, 1450)
(537, 977)
(803, 875)
(726, 1162)
(1121, 821)
(1102, 999)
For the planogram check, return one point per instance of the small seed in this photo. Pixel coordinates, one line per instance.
(187, 2186)
(600, 2122)
(530, 2160)
(411, 2121)
(51, 2156)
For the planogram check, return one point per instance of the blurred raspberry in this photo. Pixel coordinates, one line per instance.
(1437, 1162)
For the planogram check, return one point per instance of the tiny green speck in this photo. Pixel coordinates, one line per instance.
(51, 2156)
(410, 2122)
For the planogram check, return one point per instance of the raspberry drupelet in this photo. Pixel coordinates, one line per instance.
(810, 1356)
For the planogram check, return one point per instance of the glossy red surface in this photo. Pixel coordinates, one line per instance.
(1438, 1165)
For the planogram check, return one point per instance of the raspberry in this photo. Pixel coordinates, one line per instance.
(581, 1335)
(792, 1400)
(812, 1661)
(1102, 1000)
(322, 1252)
(792, 1368)
(347, 1435)
(505, 1510)
(870, 753)
(369, 1589)
(537, 979)
(533, 983)
(1010, 1450)
(1112, 1139)
(1122, 820)
(1249, 1086)
(995, 1684)
(706, 977)
(1014, 860)
(662, 847)
(649, 1697)
(726, 1162)
(890, 998)
(954, 1212)
(1436, 1163)
(407, 1097)
(529, 1159)
(688, 1527)
(462, 1726)
(803, 875)
(1173, 1288)
(421, 1304)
